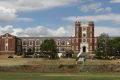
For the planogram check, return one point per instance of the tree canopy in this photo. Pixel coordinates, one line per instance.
(107, 46)
(104, 47)
(116, 45)
(49, 47)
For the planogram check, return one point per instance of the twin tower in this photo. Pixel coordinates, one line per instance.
(84, 37)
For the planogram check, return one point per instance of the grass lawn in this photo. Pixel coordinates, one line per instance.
(4, 61)
(101, 62)
(59, 76)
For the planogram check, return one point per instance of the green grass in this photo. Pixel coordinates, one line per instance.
(34, 61)
(4, 61)
(59, 76)
(101, 62)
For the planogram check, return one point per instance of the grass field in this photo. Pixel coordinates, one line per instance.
(59, 76)
(4, 61)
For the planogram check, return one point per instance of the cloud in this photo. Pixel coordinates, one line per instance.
(6, 29)
(115, 1)
(25, 19)
(39, 31)
(96, 18)
(95, 7)
(28, 5)
(9, 15)
(10, 8)
(112, 31)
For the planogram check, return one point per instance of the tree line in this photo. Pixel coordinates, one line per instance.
(108, 47)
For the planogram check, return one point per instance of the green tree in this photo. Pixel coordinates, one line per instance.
(105, 49)
(49, 47)
(69, 53)
(116, 46)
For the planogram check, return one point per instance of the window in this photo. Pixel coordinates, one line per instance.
(6, 44)
(24, 49)
(62, 42)
(19, 42)
(24, 42)
(6, 48)
(19, 48)
(37, 42)
(57, 42)
(84, 40)
(62, 49)
(37, 49)
(68, 43)
(84, 29)
(84, 35)
(30, 42)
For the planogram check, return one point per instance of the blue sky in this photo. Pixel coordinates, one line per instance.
(57, 17)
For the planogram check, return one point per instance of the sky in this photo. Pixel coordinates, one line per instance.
(50, 18)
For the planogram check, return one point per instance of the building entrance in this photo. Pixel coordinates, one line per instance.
(84, 48)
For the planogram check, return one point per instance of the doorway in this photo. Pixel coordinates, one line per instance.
(84, 48)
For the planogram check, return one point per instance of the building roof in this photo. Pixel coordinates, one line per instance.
(43, 38)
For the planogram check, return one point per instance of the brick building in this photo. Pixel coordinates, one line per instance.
(10, 44)
(83, 41)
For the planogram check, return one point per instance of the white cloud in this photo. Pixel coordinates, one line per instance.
(24, 5)
(7, 14)
(115, 1)
(96, 18)
(6, 29)
(112, 31)
(25, 19)
(10, 8)
(95, 7)
(39, 31)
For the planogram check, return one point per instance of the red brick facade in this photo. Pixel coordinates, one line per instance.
(84, 33)
(83, 41)
(9, 44)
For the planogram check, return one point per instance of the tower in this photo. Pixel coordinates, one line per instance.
(84, 35)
